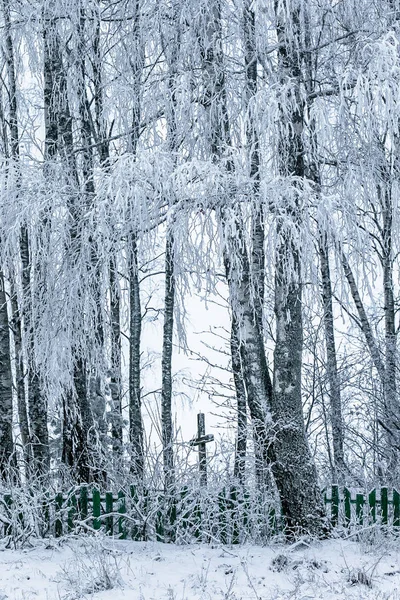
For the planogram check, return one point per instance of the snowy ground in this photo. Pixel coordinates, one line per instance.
(103, 569)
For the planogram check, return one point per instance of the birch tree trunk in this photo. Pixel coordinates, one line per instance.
(136, 436)
(252, 139)
(16, 322)
(7, 457)
(391, 401)
(166, 362)
(23, 421)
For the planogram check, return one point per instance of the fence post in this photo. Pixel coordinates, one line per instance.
(83, 503)
(347, 506)
(134, 501)
(360, 508)
(384, 505)
(396, 508)
(372, 505)
(96, 509)
(109, 509)
(335, 505)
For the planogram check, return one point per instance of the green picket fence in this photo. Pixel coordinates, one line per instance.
(348, 507)
(231, 515)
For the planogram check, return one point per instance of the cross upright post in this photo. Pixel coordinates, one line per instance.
(201, 431)
(201, 441)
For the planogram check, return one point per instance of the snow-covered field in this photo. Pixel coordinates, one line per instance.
(104, 569)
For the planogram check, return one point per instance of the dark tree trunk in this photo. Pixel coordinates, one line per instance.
(136, 436)
(294, 470)
(339, 465)
(171, 50)
(241, 402)
(96, 362)
(391, 403)
(37, 403)
(77, 417)
(116, 377)
(135, 329)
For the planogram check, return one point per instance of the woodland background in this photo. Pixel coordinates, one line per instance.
(246, 153)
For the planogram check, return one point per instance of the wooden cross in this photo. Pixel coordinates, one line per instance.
(201, 440)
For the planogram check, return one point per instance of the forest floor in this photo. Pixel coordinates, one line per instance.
(103, 569)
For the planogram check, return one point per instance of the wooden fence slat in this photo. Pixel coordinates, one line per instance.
(83, 503)
(58, 525)
(396, 508)
(72, 511)
(109, 520)
(360, 508)
(347, 506)
(384, 505)
(96, 509)
(135, 501)
(372, 505)
(335, 505)
(272, 521)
